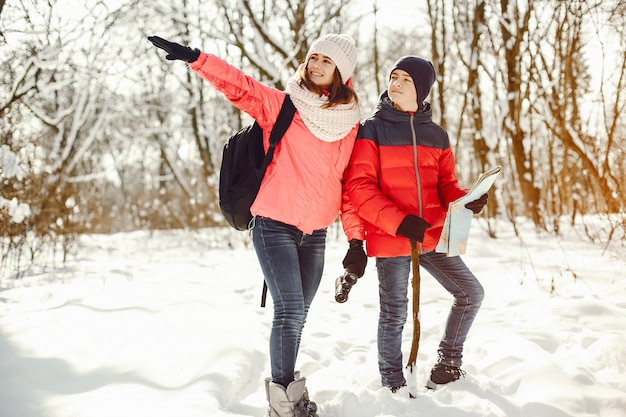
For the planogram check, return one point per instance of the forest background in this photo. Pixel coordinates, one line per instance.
(100, 134)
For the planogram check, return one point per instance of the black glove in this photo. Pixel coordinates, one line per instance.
(413, 227)
(356, 258)
(175, 50)
(477, 205)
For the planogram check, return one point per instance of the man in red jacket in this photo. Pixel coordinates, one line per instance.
(400, 181)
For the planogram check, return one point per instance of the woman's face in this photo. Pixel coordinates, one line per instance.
(321, 70)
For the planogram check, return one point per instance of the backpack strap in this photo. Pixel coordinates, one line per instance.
(285, 116)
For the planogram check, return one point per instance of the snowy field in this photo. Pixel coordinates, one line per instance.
(169, 324)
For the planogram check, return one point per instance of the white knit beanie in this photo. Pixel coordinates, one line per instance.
(340, 48)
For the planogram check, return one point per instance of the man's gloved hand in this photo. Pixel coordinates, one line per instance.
(175, 50)
(356, 257)
(413, 227)
(477, 205)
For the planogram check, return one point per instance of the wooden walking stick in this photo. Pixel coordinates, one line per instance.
(415, 283)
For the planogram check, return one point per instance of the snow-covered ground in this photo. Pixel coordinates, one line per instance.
(169, 324)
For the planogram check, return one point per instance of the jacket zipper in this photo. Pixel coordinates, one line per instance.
(417, 173)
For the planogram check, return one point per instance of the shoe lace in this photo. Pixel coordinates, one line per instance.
(454, 371)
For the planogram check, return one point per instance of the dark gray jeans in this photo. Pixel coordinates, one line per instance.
(393, 278)
(292, 264)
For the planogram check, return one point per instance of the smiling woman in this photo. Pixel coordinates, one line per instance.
(328, 68)
(321, 70)
(300, 194)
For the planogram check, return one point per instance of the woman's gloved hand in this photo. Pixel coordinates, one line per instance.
(175, 50)
(355, 258)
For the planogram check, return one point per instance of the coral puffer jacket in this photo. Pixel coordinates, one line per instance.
(303, 183)
(385, 183)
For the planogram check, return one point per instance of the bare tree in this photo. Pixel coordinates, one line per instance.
(64, 117)
(473, 124)
(523, 72)
(514, 29)
(437, 11)
(59, 109)
(584, 177)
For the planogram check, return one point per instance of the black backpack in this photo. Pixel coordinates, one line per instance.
(244, 162)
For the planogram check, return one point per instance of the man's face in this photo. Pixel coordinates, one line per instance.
(402, 91)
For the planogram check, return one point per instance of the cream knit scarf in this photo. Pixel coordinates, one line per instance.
(329, 124)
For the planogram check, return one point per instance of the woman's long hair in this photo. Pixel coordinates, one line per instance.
(338, 93)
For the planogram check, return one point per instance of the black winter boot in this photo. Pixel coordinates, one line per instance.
(442, 374)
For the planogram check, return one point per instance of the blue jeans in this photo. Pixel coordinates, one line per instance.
(292, 263)
(393, 277)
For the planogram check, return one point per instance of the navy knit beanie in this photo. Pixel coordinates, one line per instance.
(421, 71)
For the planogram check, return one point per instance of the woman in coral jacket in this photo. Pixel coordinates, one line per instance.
(300, 195)
(400, 181)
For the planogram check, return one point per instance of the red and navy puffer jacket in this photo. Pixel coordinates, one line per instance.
(401, 164)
